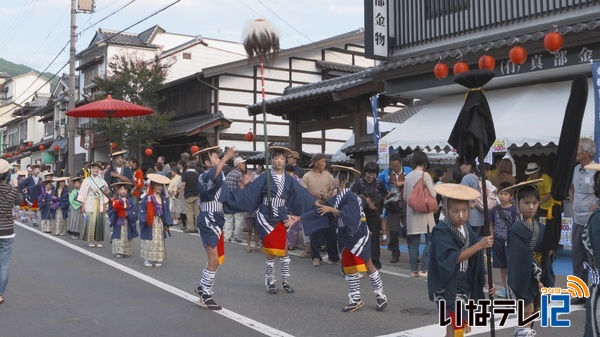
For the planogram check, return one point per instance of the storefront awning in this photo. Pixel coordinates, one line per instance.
(194, 125)
(526, 117)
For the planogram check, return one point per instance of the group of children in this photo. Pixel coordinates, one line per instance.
(457, 272)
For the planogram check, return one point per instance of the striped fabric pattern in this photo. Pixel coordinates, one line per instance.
(10, 198)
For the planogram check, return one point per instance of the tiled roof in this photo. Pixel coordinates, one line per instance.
(147, 34)
(183, 126)
(321, 88)
(365, 144)
(403, 114)
(347, 68)
(124, 38)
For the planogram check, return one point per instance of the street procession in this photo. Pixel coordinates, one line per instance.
(248, 168)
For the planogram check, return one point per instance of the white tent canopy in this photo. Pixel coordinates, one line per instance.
(523, 116)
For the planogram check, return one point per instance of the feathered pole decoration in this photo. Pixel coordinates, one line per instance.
(261, 40)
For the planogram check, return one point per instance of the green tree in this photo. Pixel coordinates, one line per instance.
(134, 80)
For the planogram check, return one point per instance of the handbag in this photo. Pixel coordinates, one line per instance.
(420, 200)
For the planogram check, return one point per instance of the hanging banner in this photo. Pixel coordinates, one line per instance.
(376, 134)
(596, 77)
(383, 153)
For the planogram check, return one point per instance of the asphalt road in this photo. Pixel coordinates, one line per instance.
(59, 287)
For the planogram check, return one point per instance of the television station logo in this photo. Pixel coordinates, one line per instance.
(479, 313)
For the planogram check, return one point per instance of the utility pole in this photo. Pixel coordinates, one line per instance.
(71, 121)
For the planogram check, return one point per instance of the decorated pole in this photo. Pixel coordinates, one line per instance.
(261, 40)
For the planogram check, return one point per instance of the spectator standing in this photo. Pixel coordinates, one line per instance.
(165, 168)
(189, 190)
(292, 233)
(235, 223)
(395, 213)
(584, 204)
(319, 183)
(373, 189)
(418, 223)
(545, 188)
(503, 173)
(118, 172)
(293, 159)
(174, 200)
(10, 198)
(85, 170)
(138, 180)
(439, 174)
(471, 178)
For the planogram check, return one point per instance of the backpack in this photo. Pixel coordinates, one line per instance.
(492, 195)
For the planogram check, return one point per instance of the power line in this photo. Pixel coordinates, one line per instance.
(18, 21)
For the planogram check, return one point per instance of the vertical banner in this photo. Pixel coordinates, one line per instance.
(596, 78)
(376, 134)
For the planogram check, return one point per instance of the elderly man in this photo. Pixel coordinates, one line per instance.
(234, 223)
(584, 204)
(118, 172)
(320, 184)
(544, 187)
(293, 159)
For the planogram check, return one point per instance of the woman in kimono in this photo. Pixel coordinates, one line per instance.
(456, 270)
(122, 216)
(211, 220)
(353, 235)
(60, 205)
(286, 193)
(47, 213)
(155, 219)
(75, 216)
(591, 242)
(94, 203)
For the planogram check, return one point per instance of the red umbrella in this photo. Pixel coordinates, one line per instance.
(109, 108)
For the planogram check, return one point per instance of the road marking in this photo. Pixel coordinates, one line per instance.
(436, 330)
(255, 325)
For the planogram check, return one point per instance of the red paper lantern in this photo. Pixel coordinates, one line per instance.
(517, 55)
(148, 152)
(16, 153)
(22, 148)
(5, 155)
(440, 70)
(194, 148)
(42, 147)
(10, 155)
(553, 41)
(113, 145)
(30, 144)
(460, 67)
(56, 148)
(250, 136)
(487, 62)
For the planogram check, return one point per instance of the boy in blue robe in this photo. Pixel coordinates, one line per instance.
(527, 273)
(44, 200)
(286, 193)
(122, 215)
(211, 220)
(60, 206)
(353, 235)
(456, 270)
(31, 188)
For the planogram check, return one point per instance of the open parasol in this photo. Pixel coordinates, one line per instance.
(472, 136)
(109, 108)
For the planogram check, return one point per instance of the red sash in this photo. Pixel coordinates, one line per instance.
(24, 206)
(34, 206)
(274, 243)
(351, 263)
(221, 248)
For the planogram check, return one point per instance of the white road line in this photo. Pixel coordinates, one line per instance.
(260, 327)
(436, 330)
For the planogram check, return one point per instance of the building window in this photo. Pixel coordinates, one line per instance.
(13, 137)
(187, 56)
(48, 129)
(89, 76)
(436, 8)
(23, 131)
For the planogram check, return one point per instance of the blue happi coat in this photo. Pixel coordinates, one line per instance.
(212, 195)
(131, 218)
(63, 201)
(145, 229)
(286, 193)
(45, 201)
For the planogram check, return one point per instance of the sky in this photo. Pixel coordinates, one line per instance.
(33, 32)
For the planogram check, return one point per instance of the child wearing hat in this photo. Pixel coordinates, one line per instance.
(23, 209)
(211, 219)
(286, 193)
(60, 205)
(31, 188)
(456, 270)
(155, 219)
(527, 272)
(75, 215)
(45, 202)
(122, 215)
(353, 235)
(94, 203)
